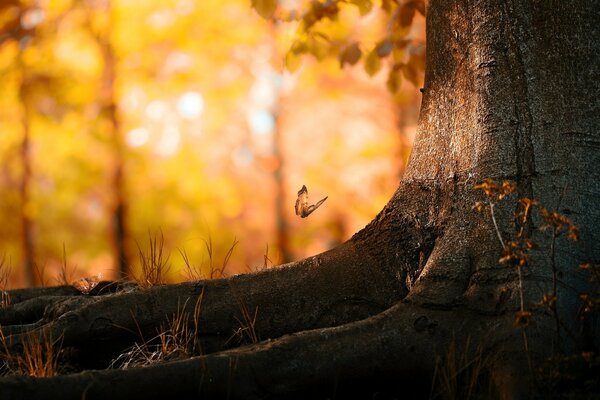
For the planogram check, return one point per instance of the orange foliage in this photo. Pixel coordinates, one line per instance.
(214, 132)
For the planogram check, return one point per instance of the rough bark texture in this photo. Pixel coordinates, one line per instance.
(511, 92)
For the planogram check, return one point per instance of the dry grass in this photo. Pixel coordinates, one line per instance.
(267, 262)
(39, 358)
(195, 272)
(65, 276)
(154, 263)
(40, 273)
(246, 333)
(5, 272)
(179, 340)
(461, 376)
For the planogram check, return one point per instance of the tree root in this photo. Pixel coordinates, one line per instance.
(405, 338)
(333, 288)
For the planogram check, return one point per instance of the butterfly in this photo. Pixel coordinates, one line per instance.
(302, 207)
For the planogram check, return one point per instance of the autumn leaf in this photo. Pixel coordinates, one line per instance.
(411, 73)
(394, 80)
(318, 45)
(489, 187)
(372, 63)
(384, 48)
(364, 6)
(265, 8)
(478, 207)
(549, 299)
(293, 61)
(522, 318)
(406, 14)
(387, 5)
(350, 55)
(573, 233)
(420, 7)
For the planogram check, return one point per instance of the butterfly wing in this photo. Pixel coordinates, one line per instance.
(302, 202)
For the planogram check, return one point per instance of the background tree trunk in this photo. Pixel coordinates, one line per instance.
(511, 92)
(27, 234)
(119, 230)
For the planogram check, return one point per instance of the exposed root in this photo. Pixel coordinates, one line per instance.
(406, 339)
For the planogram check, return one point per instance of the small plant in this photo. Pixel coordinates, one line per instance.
(516, 251)
(154, 263)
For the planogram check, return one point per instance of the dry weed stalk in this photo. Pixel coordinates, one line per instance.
(39, 358)
(154, 263)
(5, 272)
(246, 333)
(40, 272)
(179, 340)
(65, 277)
(195, 272)
(461, 376)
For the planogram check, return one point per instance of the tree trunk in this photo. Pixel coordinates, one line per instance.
(119, 232)
(27, 234)
(281, 198)
(510, 92)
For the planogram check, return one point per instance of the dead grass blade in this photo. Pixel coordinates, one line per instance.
(154, 263)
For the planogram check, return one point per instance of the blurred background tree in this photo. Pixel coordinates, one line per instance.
(120, 118)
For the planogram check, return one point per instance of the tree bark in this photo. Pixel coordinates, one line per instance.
(510, 92)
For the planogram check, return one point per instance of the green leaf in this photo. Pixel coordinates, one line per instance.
(384, 48)
(372, 63)
(265, 8)
(364, 6)
(350, 55)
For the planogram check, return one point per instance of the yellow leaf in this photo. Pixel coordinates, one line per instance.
(350, 55)
(265, 8)
(394, 80)
(318, 45)
(292, 61)
(364, 6)
(478, 206)
(387, 5)
(372, 63)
